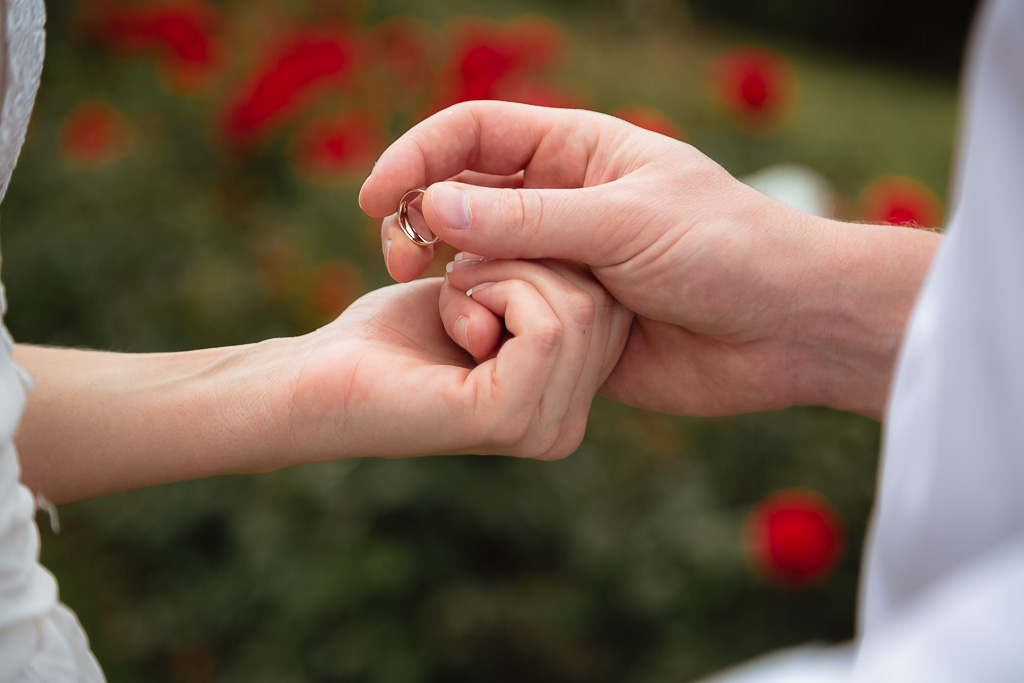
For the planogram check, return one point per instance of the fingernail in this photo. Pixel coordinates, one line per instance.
(387, 250)
(461, 327)
(459, 264)
(473, 290)
(451, 205)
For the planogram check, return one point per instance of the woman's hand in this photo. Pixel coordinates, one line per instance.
(742, 303)
(385, 379)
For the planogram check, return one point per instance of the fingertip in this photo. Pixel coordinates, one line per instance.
(483, 333)
(450, 204)
(477, 330)
(406, 263)
(448, 211)
(369, 195)
(404, 260)
(470, 324)
(363, 193)
(461, 335)
(392, 175)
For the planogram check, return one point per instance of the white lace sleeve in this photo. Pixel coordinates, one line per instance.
(24, 43)
(40, 639)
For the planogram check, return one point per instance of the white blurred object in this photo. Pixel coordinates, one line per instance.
(799, 186)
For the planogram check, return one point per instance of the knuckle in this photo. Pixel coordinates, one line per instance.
(547, 336)
(526, 434)
(581, 307)
(543, 445)
(511, 432)
(564, 443)
(523, 210)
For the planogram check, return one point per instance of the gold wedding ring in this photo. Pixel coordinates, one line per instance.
(405, 225)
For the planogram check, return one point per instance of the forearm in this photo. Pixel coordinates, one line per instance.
(854, 305)
(98, 422)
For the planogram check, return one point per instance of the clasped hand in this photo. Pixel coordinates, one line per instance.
(741, 303)
(395, 384)
(597, 256)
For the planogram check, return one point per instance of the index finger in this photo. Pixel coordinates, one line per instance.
(497, 138)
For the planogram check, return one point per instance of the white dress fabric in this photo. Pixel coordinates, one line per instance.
(40, 639)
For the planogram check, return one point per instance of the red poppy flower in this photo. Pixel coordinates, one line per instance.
(182, 32)
(93, 134)
(651, 119)
(294, 72)
(901, 201)
(338, 147)
(794, 537)
(334, 287)
(491, 59)
(757, 85)
(482, 64)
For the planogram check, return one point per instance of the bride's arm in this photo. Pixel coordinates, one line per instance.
(98, 422)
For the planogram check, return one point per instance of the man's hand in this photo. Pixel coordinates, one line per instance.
(742, 303)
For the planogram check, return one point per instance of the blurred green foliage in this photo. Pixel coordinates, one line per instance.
(624, 562)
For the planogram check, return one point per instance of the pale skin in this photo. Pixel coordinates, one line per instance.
(383, 379)
(741, 303)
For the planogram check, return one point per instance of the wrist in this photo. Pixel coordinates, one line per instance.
(855, 296)
(98, 422)
(241, 408)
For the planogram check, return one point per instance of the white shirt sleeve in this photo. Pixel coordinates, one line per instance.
(943, 589)
(967, 627)
(952, 474)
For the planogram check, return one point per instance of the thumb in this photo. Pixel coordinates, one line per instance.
(579, 224)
